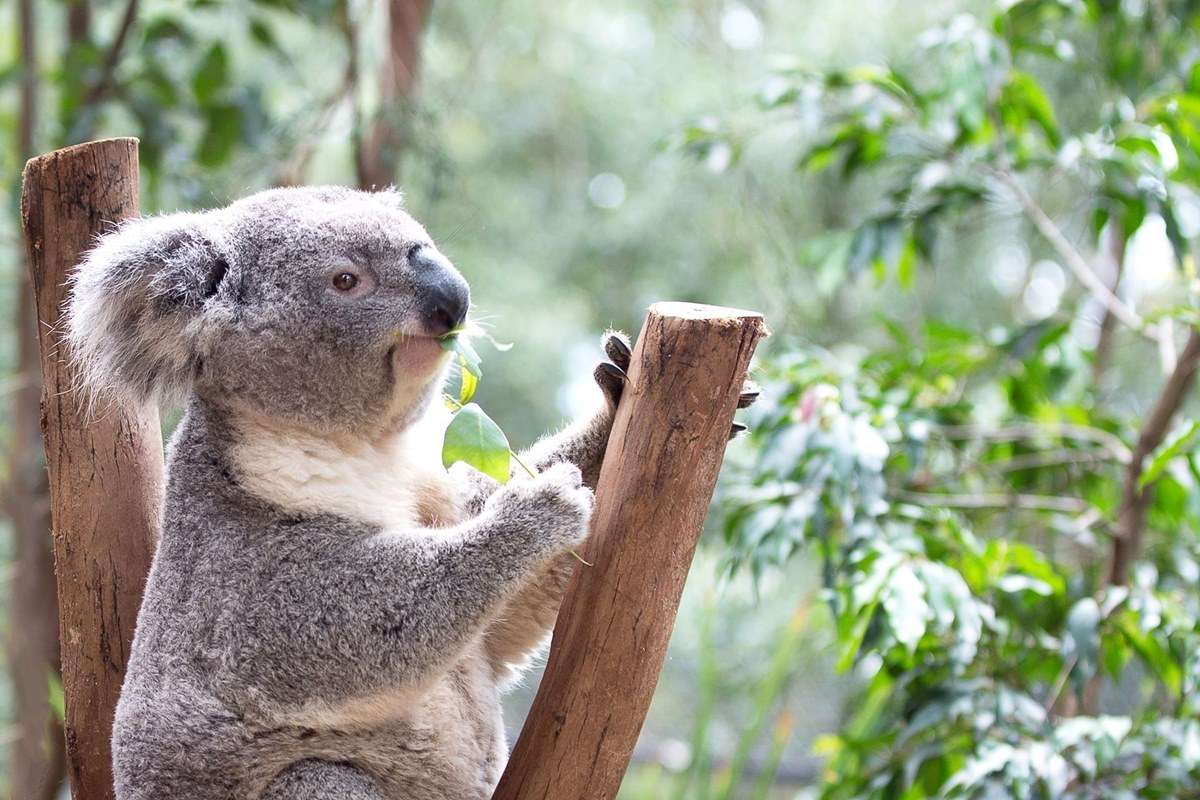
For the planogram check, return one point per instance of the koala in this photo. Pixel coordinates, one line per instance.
(330, 613)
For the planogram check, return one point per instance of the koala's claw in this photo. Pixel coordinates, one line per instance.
(612, 376)
(749, 394)
(746, 399)
(616, 347)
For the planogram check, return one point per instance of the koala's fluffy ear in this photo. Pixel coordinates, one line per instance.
(138, 306)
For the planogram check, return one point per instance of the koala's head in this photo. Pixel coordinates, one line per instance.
(318, 306)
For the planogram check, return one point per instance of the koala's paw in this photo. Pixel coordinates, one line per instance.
(473, 487)
(612, 375)
(555, 507)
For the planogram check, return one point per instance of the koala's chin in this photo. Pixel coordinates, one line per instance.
(418, 368)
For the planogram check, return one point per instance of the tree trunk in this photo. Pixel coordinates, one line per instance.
(658, 476)
(105, 469)
(36, 756)
(1135, 499)
(379, 158)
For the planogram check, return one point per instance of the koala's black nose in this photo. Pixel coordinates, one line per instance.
(448, 306)
(443, 294)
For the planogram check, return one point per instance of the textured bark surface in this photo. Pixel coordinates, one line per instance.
(663, 457)
(105, 468)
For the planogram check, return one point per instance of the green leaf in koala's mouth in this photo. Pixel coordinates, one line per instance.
(473, 437)
(463, 352)
(468, 361)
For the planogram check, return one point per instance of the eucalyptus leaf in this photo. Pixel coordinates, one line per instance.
(457, 343)
(472, 437)
(1179, 443)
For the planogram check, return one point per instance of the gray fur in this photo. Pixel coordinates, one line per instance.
(296, 655)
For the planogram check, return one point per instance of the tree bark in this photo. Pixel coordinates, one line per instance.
(663, 456)
(379, 160)
(105, 470)
(36, 758)
(1135, 500)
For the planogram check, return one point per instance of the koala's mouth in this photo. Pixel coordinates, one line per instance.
(415, 356)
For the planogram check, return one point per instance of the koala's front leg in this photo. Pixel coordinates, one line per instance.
(583, 443)
(528, 617)
(437, 591)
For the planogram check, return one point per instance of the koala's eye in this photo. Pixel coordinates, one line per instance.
(345, 281)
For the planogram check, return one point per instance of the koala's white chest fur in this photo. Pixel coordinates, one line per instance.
(397, 483)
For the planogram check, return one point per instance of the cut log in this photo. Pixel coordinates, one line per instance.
(655, 486)
(105, 463)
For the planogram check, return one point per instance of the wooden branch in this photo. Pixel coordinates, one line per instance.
(655, 485)
(105, 472)
(1135, 499)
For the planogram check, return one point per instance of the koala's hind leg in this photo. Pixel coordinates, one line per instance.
(314, 779)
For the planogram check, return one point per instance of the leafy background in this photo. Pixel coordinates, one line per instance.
(957, 555)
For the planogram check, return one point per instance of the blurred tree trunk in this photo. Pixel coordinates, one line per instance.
(36, 758)
(79, 21)
(378, 157)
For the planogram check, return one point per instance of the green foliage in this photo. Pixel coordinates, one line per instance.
(975, 100)
(1180, 443)
(973, 644)
(961, 490)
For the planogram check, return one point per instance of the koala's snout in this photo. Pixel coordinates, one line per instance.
(443, 294)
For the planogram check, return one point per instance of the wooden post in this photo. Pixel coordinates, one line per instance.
(105, 469)
(663, 456)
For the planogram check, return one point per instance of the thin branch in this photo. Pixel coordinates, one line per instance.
(103, 84)
(1012, 433)
(1060, 683)
(1135, 499)
(1026, 502)
(1052, 458)
(1074, 259)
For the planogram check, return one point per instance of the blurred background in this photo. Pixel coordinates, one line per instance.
(957, 555)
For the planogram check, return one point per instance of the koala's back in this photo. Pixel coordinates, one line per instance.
(213, 709)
